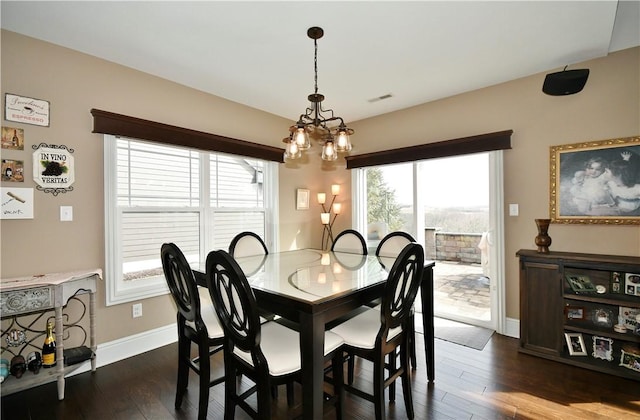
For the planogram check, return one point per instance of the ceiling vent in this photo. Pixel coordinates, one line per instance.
(380, 98)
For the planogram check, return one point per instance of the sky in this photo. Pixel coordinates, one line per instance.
(450, 182)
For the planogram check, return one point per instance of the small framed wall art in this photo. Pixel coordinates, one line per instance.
(53, 168)
(12, 170)
(12, 138)
(302, 199)
(17, 203)
(26, 110)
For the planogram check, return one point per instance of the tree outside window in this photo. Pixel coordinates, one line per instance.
(381, 202)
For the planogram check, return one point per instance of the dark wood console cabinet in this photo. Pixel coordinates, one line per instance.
(551, 308)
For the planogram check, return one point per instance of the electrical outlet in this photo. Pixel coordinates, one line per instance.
(66, 213)
(136, 310)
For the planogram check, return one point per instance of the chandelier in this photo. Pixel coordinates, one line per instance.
(317, 122)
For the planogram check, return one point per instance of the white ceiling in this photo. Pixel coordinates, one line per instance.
(258, 53)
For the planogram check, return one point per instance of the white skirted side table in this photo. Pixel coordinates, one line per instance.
(41, 293)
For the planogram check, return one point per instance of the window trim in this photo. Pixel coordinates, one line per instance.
(119, 291)
(105, 122)
(499, 140)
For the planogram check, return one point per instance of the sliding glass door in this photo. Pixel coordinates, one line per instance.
(453, 207)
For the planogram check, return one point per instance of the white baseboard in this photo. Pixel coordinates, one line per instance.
(133, 345)
(512, 328)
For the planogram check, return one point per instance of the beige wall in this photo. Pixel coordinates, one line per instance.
(608, 107)
(74, 83)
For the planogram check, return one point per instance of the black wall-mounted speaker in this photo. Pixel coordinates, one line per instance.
(565, 82)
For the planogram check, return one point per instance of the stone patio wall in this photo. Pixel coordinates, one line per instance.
(447, 246)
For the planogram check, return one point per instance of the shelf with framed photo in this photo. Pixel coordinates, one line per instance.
(601, 353)
(602, 286)
(595, 305)
(587, 326)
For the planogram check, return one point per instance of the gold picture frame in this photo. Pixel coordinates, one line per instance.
(596, 182)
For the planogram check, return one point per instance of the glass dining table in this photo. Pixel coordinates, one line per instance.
(312, 288)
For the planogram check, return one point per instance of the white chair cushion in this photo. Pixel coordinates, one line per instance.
(208, 314)
(281, 347)
(361, 330)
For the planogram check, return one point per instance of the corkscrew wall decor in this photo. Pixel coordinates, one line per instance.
(53, 168)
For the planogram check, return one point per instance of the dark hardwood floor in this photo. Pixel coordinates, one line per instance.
(495, 383)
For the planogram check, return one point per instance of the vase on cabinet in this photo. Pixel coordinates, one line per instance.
(543, 240)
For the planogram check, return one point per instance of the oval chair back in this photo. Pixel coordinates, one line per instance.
(402, 286)
(234, 302)
(387, 251)
(246, 244)
(181, 282)
(350, 241)
(393, 243)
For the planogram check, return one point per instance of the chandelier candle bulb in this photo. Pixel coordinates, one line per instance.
(322, 198)
(324, 217)
(302, 139)
(329, 151)
(292, 151)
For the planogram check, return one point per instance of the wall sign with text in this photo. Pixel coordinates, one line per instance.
(17, 203)
(53, 168)
(26, 110)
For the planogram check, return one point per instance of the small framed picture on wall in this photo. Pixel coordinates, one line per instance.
(302, 199)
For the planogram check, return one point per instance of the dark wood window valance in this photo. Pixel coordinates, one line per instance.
(475, 144)
(121, 125)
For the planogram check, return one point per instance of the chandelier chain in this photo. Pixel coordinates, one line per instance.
(315, 64)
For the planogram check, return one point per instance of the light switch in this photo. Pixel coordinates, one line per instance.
(513, 210)
(66, 213)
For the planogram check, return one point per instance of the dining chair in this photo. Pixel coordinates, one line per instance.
(350, 241)
(266, 353)
(375, 335)
(390, 247)
(197, 324)
(246, 244)
(249, 244)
